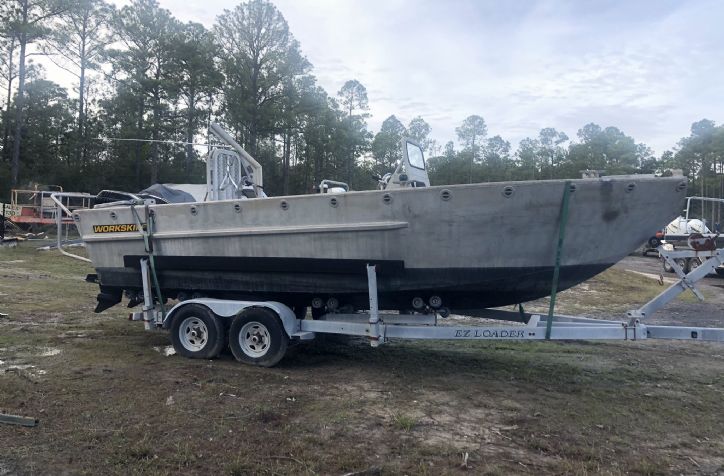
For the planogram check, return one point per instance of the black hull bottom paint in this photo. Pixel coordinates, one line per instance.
(296, 281)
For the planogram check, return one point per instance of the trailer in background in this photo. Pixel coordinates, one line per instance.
(33, 208)
(687, 233)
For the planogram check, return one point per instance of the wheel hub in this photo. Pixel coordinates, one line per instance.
(193, 334)
(254, 339)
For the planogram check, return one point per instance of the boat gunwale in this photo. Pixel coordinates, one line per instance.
(516, 183)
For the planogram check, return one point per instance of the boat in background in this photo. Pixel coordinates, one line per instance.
(685, 232)
(458, 247)
(34, 208)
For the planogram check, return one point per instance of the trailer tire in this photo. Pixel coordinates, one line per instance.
(197, 333)
(667, 266)
(257, 337)
(685, 264)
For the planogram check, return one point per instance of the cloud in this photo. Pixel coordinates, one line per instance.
(650, 67)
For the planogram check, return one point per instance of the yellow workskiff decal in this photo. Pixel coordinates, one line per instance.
(121, 228)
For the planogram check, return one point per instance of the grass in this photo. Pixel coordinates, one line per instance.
(408, 407)
(404, 422)
(610, 293)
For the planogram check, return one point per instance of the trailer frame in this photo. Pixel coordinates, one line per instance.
(379, 327)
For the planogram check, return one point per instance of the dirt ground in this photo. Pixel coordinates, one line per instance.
(110, 401)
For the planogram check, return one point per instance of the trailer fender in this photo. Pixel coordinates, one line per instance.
(228, 308)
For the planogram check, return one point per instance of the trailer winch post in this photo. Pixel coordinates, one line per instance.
(148, 306)
(374, 320)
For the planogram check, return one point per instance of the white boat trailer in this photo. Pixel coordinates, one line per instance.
(260, 331)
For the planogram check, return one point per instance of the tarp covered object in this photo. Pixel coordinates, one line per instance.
(169, 194)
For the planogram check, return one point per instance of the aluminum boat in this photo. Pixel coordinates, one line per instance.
(458, 247)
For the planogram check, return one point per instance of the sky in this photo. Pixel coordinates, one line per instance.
(648, 67)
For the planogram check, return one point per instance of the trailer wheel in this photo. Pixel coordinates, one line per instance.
(695, 263)
(667, 266)
(685, 264)
(197, 333)
(257, 337)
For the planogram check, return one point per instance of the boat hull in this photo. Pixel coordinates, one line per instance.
(476, 246)
(462, 288)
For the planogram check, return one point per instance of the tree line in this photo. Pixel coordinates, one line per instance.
(147, 85)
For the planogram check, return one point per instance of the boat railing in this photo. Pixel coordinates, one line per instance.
(39, 204)
(717, 204)
(61, 199)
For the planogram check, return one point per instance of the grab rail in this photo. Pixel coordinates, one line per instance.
(59, 218)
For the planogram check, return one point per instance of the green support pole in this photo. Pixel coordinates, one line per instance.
(559, 252)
